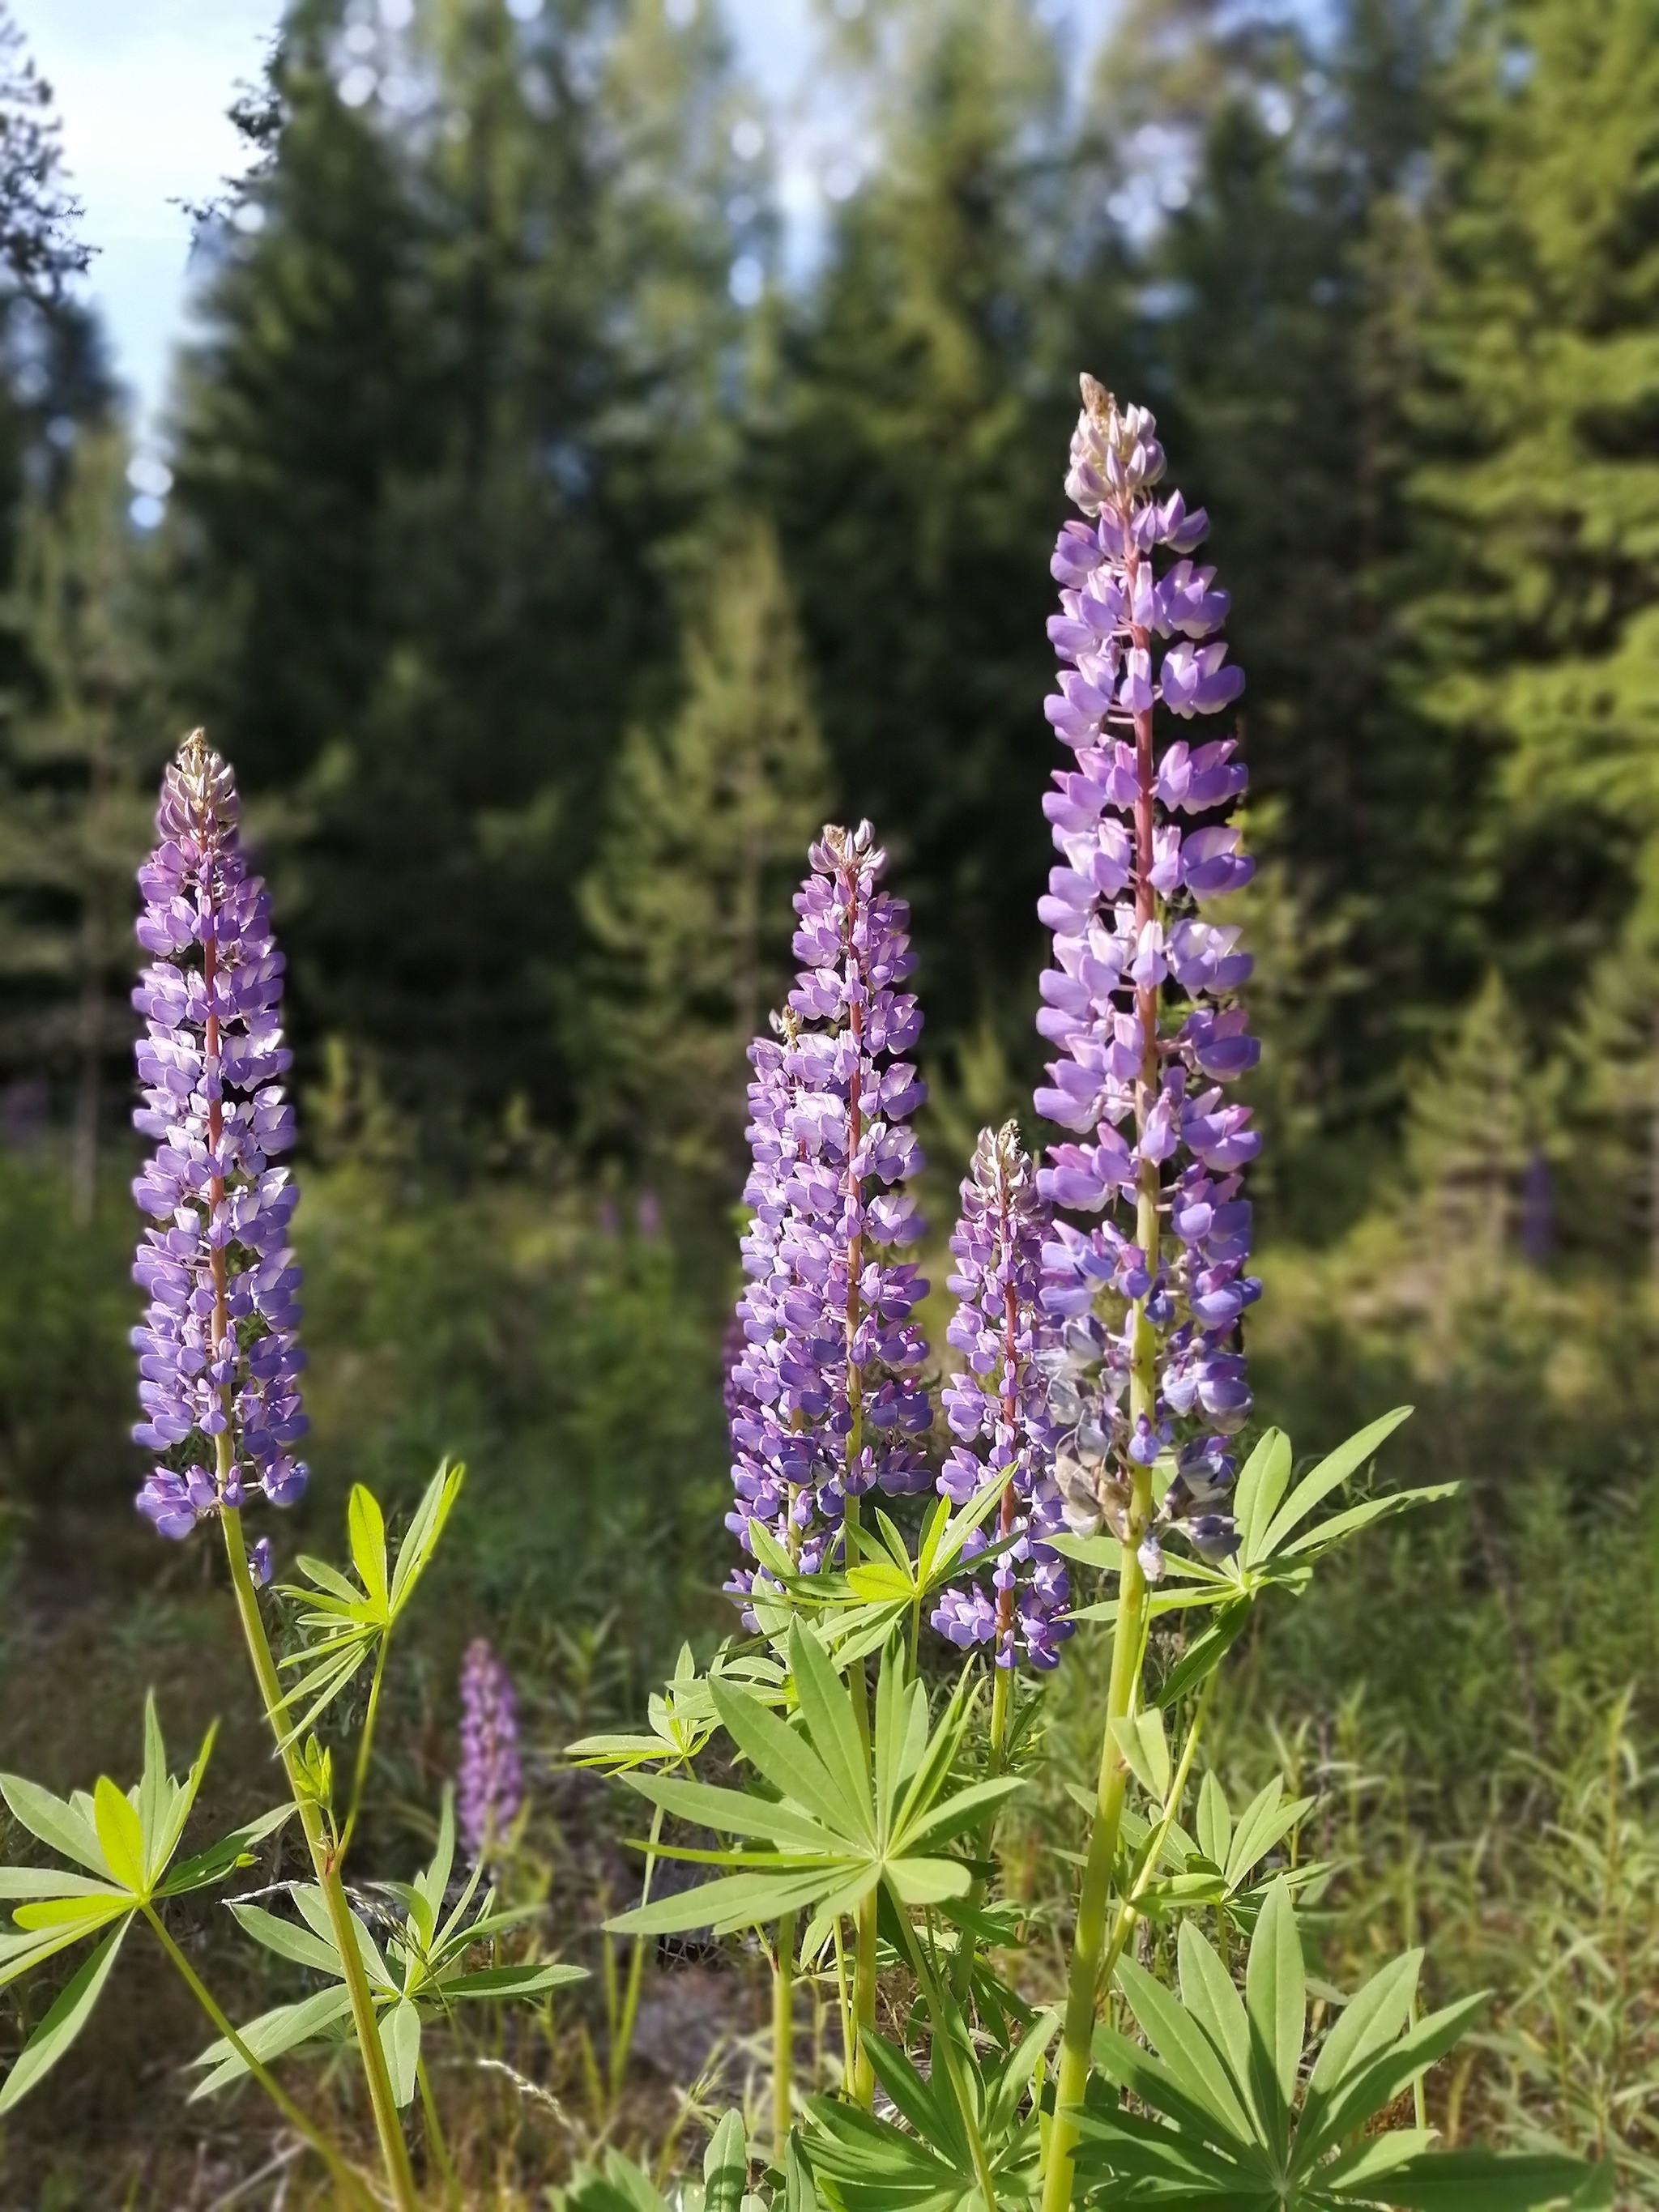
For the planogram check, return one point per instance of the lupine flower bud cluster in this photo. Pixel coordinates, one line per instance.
(491, 1792)
(218, 1361)
(1139, 999)
(1000, 1396)
(822, 1397)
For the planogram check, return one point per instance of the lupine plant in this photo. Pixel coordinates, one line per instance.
(902, 1602)
(1093, 1508)
(219, 1365)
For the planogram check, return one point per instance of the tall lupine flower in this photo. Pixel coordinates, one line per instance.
(218, 1362)
(1001, 1395)
(1140, 1002)
(492, 1780)
(822, 1395)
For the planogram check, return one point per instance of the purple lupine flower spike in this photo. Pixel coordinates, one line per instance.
(492, 1781)
(218, 1360)
(1001, 1395)
(1140, 1002)
(822, 1396)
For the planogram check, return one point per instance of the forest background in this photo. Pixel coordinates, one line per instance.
(550, 561)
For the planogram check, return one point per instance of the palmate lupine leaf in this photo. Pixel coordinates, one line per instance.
(682, 1717)
(125, 1840)
(1216, 1863)
(1268, 1513)
(844, 1821)
(1222, 2127)
(873, 2165)
(620, 2185)
(858, 1606)
(343, 1623)
(421, 1972)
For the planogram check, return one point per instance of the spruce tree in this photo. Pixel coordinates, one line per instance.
(1266, 163)
(462, 385)
(74, 816)
(1535, 619)
(926, 384)
(689, 901)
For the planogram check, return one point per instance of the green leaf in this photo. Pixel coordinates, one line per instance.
(1215, 1820)
(1159, 2085)
(507, 1982)
(53, 1822)
(1276, 2000)
(120, 1837)
(733, 1812)
(787, 1761)
(1370, 2087)
(1341, 1525)
(1329, 1474)
(1204, 1653)
(1207, 1992)
(1366, 2026)
(225, 1856)
(927, 1881)
(78, 1914)
(273, 2032)
(434, 1881)
(726, 2165)
(1264, 1821)
(1478, 2181)
(365, 1534)
(1263, 1483)
(428, 1526)
(739, 1900)
(51, 1881)
(1192, 2061)
(1146, 1750)
(621, 2188)
(400, 2040)
(302, 1945)
(964, 1810)
(327, 1578)
(826, 1706)
(153, 1796)
(159, 1849)
(64, 2022)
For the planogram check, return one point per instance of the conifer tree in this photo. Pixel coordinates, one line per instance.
(686, 903)
(466, 356)
(1265, 162)
(74, 816)
(922, 382)
(1536, 619)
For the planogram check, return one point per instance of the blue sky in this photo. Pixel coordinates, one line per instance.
(142, 86)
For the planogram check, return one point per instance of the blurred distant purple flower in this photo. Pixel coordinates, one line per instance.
(1140, 1001)
(492, 1782)
(218, 1362)
(822, 1396)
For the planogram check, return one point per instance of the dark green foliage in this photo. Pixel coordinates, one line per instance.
(459, 390)
(921, 390)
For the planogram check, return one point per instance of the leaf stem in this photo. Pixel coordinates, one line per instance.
(434, 2136)
(343, 2176)
(1129, 1912)
(388, 2127)
(946, 2053)
(622, 2042)
(864, 2000)
(360, 1772)
(783, 2037)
